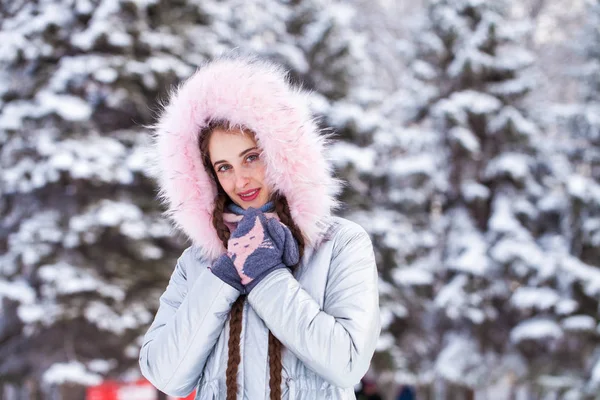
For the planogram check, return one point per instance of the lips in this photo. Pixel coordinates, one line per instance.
(249, 195)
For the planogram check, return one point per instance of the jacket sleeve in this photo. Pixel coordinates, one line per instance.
(185, 328)
(338, 341)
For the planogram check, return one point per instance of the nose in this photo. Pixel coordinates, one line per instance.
(242, 180)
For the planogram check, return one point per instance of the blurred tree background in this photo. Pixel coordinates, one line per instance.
(469, 134)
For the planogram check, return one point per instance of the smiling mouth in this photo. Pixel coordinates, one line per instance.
(251, 195)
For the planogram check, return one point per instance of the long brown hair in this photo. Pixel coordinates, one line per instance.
(235, 322)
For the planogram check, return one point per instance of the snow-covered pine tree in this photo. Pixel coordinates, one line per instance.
(521, 300)
(499, 304)
(389, 192)
(578, 151)
(84, 249)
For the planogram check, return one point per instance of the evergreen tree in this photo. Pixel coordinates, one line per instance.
(515, 294)
(84, 248)
(484, 278)
(579, 154)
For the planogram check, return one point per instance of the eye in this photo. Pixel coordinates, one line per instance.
(223, 168)
(252, 157)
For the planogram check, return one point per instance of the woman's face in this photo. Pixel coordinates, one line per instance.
(237, 162)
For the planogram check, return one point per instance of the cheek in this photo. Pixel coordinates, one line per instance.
(227, 183)
(261, 176)
(260, 172)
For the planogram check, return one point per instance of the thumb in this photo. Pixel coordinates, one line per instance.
(291, 252)
(276, 231)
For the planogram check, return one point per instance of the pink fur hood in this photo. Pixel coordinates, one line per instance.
(255, 94)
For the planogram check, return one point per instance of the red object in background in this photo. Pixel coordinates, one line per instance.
(137, 390)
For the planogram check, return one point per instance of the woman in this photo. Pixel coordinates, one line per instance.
(275, 298)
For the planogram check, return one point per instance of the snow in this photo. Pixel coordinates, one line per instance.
(386, 317)
(558, 382)
(151, 252)
(71, 372)
(343, 153)
(536, 329)
(18, 290)
(424, 70)
(63, 279)
(539, 298)
(522, 253)
(513, 87)
(467, 249)
(112, 213)
(34, 235)
(588, 275)
(475, 59)
(583, 188)
(12, 42)
(106, 318)
(461, 362)
(431, 42)
(451, 296)
(467, 101)
(84, 7)
(566, 306)
(472, 191)
(12, 114)
(579, 323)
(472, 258)
(93, 157)
(510, 115)
(465, 138)
(70, 108)
(101, 366)
(385, 342)
(511, 58)
(595, 375)
(342, 114)
(106, 75)
(413, 165)
(134, 229)
(513, 165)
(503, 219)
(412, 276)
(31, 313)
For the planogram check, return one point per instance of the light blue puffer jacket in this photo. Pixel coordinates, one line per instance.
(326, 315)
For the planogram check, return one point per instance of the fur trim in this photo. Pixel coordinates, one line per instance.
(250, 93)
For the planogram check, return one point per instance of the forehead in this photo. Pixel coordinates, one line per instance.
(225, 145)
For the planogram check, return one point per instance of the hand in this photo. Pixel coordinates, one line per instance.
(260, 245)
(224, 269)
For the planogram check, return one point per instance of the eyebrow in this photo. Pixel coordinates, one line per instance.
(241, 155)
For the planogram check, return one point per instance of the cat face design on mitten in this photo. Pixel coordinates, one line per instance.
(240, 248)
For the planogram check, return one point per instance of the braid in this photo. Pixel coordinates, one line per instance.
(275, 366)
(283, 211)
(275, 363)
(233, 356)
(217, 218)
(236, 314)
